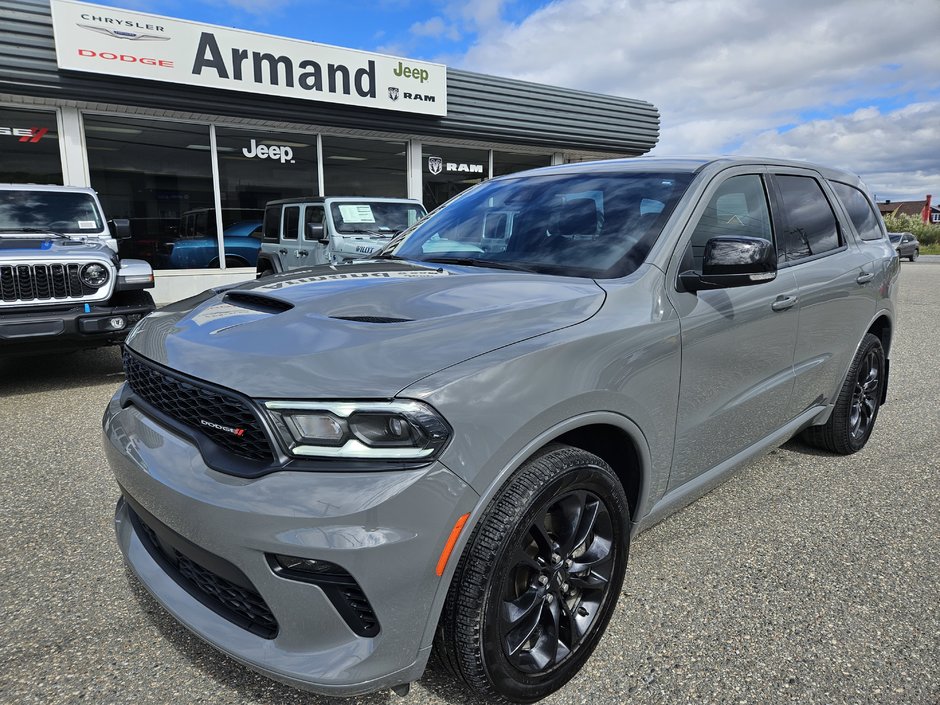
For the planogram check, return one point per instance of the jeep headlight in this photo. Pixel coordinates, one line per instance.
(394, 430)
(94, 275)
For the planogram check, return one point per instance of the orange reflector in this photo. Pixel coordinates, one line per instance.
(449, 546)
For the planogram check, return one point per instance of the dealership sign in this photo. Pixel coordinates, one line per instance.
(117, 42)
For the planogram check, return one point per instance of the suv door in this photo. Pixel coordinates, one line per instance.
(835, 281)
(290, 237)
(315, 251)
(737, 343)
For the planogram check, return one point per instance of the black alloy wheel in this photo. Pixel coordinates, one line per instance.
(539, 578)
(866, 395)
(853, 417)
(558, 583)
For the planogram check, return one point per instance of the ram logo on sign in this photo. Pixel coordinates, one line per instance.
(108, 40)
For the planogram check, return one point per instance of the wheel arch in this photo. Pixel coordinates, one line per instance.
(882, 328)
(618, 449)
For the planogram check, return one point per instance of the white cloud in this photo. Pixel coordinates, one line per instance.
(896, 152)
(723, 72)
(435, 27)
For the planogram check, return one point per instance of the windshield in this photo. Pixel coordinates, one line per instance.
(375, 217)
(598, 225)
(59, 212)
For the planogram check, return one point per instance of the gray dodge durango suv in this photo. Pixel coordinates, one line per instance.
(331, 472)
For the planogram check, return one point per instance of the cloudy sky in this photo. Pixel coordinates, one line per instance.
(851, 83)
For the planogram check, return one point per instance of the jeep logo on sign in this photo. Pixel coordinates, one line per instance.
(435, 165)
(263, 151)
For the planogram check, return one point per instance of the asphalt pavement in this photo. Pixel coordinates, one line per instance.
(807, 578)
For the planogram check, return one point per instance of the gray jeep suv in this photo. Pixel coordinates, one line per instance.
(331, 472)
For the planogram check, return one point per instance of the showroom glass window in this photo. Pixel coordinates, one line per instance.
(29, 147)
(256, 167)
(159, 176)
(512, 162)
(353, 167)
(810, 227)
(447, 171)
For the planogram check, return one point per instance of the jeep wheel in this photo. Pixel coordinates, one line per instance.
(856, 408)
(539, 578)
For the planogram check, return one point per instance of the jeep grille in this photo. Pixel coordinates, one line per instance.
(31, 283)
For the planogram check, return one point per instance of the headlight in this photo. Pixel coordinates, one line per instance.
(95, 275)
(396, 430)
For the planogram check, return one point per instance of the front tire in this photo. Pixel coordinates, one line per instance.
(853, 418)
(915, 254)
(539, 578)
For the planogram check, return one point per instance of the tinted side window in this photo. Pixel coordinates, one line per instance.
(810, 225)
(272, 222)
(291, 222)
(866, 221)
(738, 207)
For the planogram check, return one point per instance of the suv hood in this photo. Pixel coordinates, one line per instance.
(38, 244)
(363, 330)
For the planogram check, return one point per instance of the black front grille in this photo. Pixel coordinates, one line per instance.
(221, 416)
(42, 282)
(239, 604)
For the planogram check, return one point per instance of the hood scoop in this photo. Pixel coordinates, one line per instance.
(372, 319)
(257, 302)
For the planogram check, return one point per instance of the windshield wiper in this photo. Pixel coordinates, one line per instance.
(476, 262)
(370, 232)
(31, 231)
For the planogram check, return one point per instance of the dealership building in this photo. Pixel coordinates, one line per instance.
(187, 129)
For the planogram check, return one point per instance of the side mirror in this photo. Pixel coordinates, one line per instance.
(733, 261)
(120, 228)
(315, 231)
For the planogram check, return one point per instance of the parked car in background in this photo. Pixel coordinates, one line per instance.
(242, 242)
(303, 232)
(327, 473)
(906, 245)
(62, 283)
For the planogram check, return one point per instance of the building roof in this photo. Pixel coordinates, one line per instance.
(481, 108)
(904, 207)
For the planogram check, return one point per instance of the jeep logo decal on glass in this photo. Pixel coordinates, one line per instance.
(435, 165)
(262, 151)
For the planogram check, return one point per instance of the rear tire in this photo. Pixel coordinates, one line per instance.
(856, 409)
(539, 578)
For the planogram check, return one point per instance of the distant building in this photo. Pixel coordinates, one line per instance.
(923, 209)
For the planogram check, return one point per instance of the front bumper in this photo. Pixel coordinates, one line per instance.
(80, 325)
(386, 529)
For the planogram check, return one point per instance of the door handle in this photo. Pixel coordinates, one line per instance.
(783, 303)
(282, 252)
(865, 277)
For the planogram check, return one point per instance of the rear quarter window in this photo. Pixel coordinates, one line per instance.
(866, 220)
(810, 225)
(272, 223)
